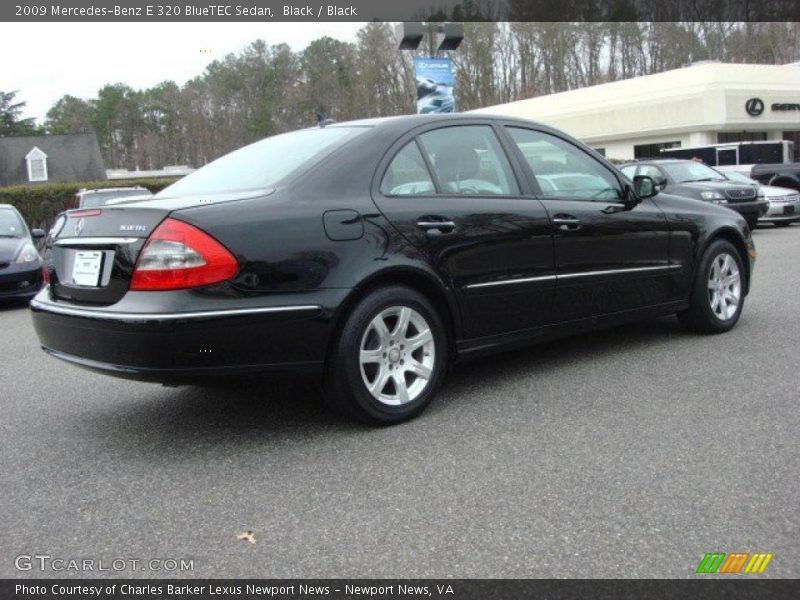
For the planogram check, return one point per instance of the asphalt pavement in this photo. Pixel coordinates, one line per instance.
(625, 453)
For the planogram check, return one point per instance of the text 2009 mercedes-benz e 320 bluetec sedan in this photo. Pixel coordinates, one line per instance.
(375, 253)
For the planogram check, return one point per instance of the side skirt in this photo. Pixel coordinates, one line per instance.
(467, 349)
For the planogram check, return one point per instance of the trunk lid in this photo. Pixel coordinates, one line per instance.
(91, 253)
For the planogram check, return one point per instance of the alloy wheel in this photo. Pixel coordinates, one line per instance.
(724, 286)
(397, 355)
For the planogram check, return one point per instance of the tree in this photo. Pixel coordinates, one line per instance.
(70, 115)
(11, 122)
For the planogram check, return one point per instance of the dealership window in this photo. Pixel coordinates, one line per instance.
(37, 165)
(728, 137)
(653, 150)
(407, 174)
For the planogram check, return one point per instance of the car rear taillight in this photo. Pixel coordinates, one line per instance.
(178, 256)
(45, 274)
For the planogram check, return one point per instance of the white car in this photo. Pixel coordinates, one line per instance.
(784, 203)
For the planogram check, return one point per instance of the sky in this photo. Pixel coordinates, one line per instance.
(54, 59)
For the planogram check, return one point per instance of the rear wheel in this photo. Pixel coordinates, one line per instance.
(718, 291)
(390, 358)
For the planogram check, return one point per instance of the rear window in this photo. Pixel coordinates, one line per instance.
(263, 164)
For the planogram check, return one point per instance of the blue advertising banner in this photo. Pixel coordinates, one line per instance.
(434, 85)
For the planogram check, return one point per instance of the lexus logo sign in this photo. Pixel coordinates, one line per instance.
(754, 107)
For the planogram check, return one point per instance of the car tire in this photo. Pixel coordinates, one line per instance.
(717, 296)
(389, 359)
(752, 223)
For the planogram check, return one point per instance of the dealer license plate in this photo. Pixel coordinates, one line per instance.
(87, 268)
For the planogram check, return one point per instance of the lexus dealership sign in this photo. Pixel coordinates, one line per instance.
(755, 107)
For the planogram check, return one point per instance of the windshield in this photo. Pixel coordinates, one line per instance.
(263, 164)
(100, 198)
(690, 170)
(10, 224)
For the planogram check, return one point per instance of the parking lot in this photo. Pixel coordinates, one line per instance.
(625, 453)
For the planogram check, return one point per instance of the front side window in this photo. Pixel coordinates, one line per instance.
(407, 174)
(564, 171)
(469, 161)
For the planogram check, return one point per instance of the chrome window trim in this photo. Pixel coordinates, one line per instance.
(128, 316)
(572, 276)
(95, 241)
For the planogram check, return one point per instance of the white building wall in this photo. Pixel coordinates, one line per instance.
(691, 105)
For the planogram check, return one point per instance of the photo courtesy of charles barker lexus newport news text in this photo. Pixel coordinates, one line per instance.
(437, 299)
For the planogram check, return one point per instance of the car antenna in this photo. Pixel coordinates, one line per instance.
(324, 121)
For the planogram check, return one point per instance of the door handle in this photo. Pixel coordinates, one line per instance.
(567, 222)
(431, 224)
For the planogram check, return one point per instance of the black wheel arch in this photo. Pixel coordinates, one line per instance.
(734, 236)
(417, 279)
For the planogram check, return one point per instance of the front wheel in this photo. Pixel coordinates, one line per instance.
(717, 295)
(390, 357)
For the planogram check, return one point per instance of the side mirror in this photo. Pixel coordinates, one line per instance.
(644, 186)
(37, 234)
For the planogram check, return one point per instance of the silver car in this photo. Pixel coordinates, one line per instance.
(784, 203)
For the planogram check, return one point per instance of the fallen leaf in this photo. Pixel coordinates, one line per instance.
(248, 536)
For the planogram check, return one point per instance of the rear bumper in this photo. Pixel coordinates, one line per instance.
(20, 281)
(179, 347)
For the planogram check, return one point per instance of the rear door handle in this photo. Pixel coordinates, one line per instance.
(431, 224)
(567, 222)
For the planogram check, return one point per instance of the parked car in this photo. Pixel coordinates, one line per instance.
(375, 253)
(780, 174)
(102, 196)
(693, 179)
(784, 203)
(20, 263)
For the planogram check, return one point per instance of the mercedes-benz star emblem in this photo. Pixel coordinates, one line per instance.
(79, 226)
(754, 107)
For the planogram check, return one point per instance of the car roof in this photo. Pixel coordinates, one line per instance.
(415, 120)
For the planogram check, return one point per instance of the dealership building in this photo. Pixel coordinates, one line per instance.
(699, 105)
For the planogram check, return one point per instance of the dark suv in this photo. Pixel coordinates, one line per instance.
(696, 180)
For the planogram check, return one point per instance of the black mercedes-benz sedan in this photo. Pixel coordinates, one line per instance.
(375, 253)
(696, 180)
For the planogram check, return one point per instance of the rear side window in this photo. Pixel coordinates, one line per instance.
(469, 161)
(564, 171)
(407, 174)
(263, 164)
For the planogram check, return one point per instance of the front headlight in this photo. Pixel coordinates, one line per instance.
(715, 197)
(28, 254)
